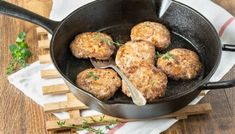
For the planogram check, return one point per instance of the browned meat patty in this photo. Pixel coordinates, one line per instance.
(102, 83)
(92, 45)
(133, 53)
(149, 80)
(180, 63)
(153, 32)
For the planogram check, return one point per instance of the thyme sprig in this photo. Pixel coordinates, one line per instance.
(147, 24)
(107, 41)
(91, 74)
(88, 126)
(166, 56)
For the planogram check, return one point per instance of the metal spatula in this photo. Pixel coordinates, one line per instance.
(136, 95)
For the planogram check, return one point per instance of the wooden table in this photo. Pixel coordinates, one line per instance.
(19, 114)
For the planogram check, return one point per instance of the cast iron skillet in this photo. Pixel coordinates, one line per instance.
(189, 29)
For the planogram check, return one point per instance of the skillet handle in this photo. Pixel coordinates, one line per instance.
(219, 85)
(21, 13)
(228, 47)
(222, 84)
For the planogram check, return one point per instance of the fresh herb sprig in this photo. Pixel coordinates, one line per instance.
(108, 41)
(158, 55)
(166, 56)
(91, 74)
(87, 126)
(19, 52)
(147, 24)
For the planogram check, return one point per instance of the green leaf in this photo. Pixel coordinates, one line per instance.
(91, 74)
(157, 54)
(117, 44)
(13, 48)
(22, 44)
(61, 123)
(22, 63)
(99, 131)
(96, 77)
(21, 37)
(102, 118)
(168, 56)
(20, 53)
(10, 67)
(108, 127)
(25, 53)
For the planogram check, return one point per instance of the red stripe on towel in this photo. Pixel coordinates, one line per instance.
(113, 130)
(225, 25)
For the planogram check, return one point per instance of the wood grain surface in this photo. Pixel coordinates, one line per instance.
(20, 115)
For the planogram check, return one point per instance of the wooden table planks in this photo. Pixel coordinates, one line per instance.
(19, 114)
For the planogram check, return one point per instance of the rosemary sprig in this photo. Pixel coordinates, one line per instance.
(91, 74)
(108, 41)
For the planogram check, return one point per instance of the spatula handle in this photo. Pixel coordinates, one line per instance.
(136, 95)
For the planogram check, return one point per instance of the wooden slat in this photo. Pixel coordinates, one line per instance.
(40, 31)
(202, 93)
(64, 106)
(73, 113)
(191, 110)
(181, 114)
(44, 59)
(50, 74)
(18, 113)
(55, 89)
(45, 44)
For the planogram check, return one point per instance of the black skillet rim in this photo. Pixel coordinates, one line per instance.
(170, 98)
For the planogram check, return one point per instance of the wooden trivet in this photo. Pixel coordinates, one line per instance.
(73, 105)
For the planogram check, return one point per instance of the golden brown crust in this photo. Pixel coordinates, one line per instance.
(92, 45)
(134, 53)
(153, 32)
(184, 65)
(102, 83)
(149, 80)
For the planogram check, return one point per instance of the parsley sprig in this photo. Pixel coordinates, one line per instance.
(166, 56)
(19, 52)
(106, 40)
(88, 126)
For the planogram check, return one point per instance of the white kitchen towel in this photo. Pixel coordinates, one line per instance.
(23, 79)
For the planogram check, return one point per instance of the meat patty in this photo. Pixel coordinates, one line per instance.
(149, 80)
(92, 45)
(180, 63)
(133, 53)
(102, 83)
(153, 32)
